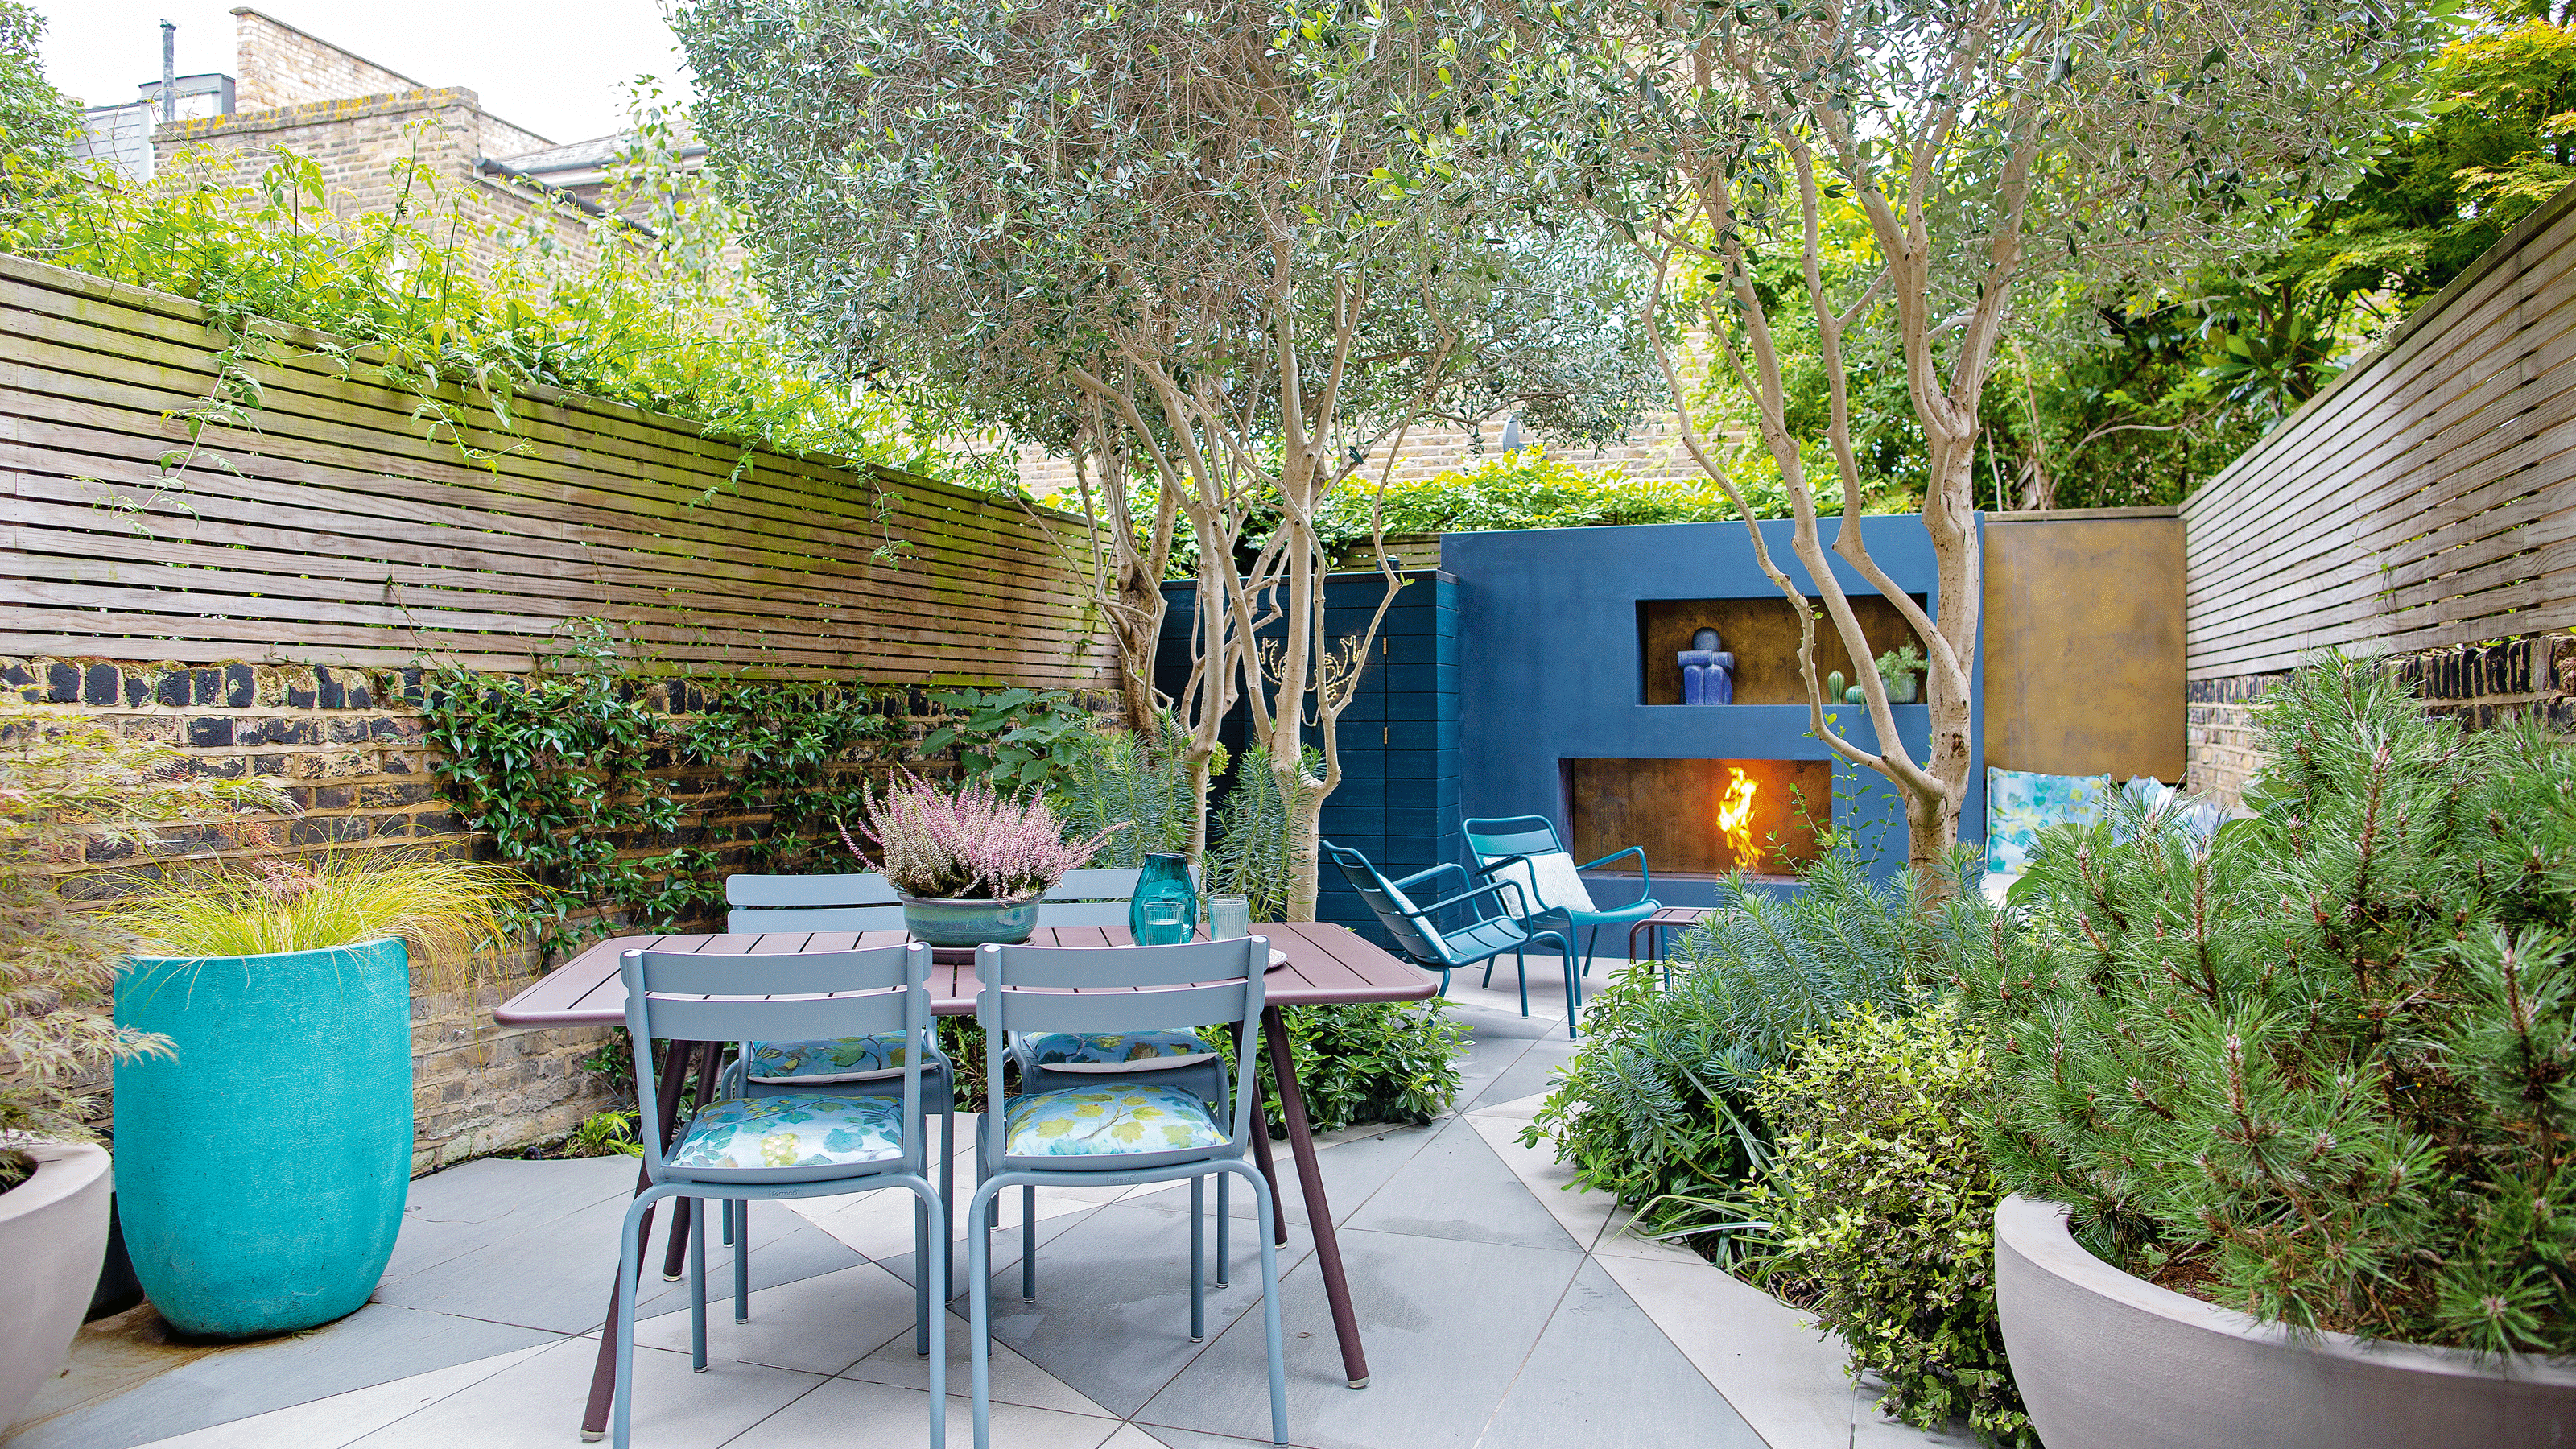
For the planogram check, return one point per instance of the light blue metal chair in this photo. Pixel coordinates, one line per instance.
(1420, 937)
(862, 901)
(1524, 850)
(1089, 898)
(1125, 1130)
(801, 1144)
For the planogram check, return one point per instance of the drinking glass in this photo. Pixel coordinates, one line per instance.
(1229, 917)
(1167, 923)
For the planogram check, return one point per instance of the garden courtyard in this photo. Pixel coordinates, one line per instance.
(1501, 1310)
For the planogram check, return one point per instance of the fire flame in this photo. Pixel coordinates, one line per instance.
(1735, 818)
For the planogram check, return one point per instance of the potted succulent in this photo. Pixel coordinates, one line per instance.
(2291, 1112)
(66, 787)
(264, 1167)
(969, 864)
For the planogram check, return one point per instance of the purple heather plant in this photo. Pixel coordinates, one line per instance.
(971, 843)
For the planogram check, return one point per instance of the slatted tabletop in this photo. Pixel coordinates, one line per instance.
(1326, 964)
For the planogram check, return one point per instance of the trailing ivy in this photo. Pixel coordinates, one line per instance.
(557, 766)
(1017, 740)
(788, 749)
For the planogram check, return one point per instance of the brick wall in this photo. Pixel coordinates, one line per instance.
(348, 746)
(275, 64)
(2481, 685)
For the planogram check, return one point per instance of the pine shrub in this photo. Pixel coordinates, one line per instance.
(1882, 1205)
(2319, 1068)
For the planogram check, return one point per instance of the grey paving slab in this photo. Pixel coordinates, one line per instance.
(377, 1344)
(551, 1274)
(1532, 1072)
(451, 1213)
(1455, 1187)
(1447, 1324)
(798, 1250)
(1192, 1439)
(1352, 1172)
(537, 1404)
(1112, 1316)
(1602, 1373)
(847, 1414)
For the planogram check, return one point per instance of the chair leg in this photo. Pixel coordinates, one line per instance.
(1198, 1259)
(948, 1196)
(1522, 966)
(1488, 982)
(1591, 944)
(1573, 993)
(924, 1268)
(630, 1254)
(724, 1221)
(921, 1308)
(1028, 1242)
(1224, 1221)
(698, 1289)
(742, 1261)
(1270, 1321)
(979, 1310)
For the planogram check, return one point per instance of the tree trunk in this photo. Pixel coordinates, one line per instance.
(1304, 797)
(1136, 628)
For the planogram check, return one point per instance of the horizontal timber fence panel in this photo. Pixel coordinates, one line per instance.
(332, 527)
(2426, 499)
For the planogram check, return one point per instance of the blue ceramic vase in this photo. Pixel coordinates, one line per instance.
(968, 922)
(1165, 883)
(260, 1172)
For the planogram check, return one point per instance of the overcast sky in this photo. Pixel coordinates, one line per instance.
(548, 66)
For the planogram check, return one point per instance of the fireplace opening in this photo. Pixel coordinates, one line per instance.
(1700, 818)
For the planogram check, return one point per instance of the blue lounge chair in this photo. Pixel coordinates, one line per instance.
(1524, 850)
(1418, 934)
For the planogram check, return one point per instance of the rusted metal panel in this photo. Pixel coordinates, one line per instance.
(2084, 643)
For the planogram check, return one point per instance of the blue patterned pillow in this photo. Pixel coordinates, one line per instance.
(803, 1129)
(2019, 805)
(1101, 1121)
(1135, 1051)
(841, 1059)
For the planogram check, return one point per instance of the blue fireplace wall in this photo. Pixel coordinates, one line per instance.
(1548, 647)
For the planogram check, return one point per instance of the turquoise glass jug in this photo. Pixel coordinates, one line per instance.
(1165, 911)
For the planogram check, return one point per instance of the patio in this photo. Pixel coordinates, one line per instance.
(1499, 1311)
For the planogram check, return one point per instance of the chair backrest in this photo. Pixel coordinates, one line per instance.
(814, 994)
(863, 901)
(1545, 872)
(1414, 936)
(1091, 897)
(1193, 984)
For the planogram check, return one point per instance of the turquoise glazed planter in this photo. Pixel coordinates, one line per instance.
(260, 1173)
(968, 923)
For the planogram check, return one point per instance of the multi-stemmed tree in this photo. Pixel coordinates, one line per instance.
(1992, 151)
(1233, 247)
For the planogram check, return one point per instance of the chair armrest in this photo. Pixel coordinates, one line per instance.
(1421, 875)
(1645, 880)
(1489, 867)
(1495, 888)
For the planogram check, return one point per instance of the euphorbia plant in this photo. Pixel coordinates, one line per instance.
(63, 783)
(971, 843)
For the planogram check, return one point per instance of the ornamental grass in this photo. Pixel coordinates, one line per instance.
(442, 909)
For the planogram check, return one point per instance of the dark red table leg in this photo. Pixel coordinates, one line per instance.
(666, 1106)
(1319, 1213)
(1269, 1172)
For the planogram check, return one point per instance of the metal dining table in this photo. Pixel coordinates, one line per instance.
(1324, 965)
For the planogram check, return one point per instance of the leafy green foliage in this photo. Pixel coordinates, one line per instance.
(1882, 1205)
(1248, 848)
(1017, 740)
(2319, 1069)
(1369, 1062)
(790, 749)
(63, 783)
(1658, 1105)
(1120, 775)
(35, 119)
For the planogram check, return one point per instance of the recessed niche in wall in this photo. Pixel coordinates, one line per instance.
(1699, 818)
(1763, 635)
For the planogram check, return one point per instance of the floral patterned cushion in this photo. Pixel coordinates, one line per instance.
(1135, 1051)
(1101, 1121)
(841, 1059)
(802, 1129)
(2019, 805)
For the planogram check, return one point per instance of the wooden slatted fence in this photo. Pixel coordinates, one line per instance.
(334, 531)
(2426, 499)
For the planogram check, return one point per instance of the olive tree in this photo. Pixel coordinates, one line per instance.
(1234, 248)
(1996, 152)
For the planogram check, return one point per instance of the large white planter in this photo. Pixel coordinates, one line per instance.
(53, 1232)
(2108, 1361)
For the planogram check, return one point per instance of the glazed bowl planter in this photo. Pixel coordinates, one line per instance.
(2110, 1361)
(968, 923)
(262, 1170)
(53, 1231)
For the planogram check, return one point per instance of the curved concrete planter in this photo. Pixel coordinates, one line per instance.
(262, 1170)
(2108, 1361)
(53, 1230)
